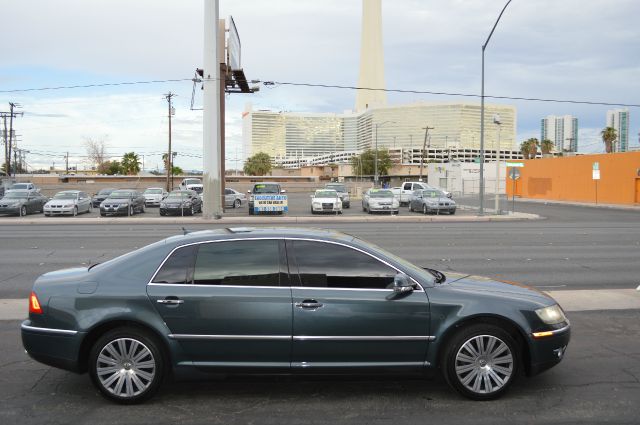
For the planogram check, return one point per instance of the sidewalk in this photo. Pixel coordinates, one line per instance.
(580, 204)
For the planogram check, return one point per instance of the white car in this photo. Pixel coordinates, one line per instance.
(326, 200)
(153, 196)
(192, 184)
(407, 189)
(72, 202)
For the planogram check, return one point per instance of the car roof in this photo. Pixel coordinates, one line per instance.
(261, 232)
(69, 191)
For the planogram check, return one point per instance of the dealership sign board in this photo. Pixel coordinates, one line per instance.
(270, 203)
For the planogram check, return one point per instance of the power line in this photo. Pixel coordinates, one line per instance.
(529, 99)
(84, 86)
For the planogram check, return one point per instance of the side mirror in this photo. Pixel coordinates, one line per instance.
(248, 191)
(401, 283)
(283, 191)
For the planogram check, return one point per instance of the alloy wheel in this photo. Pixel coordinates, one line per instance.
(125, 367)
(484, 364)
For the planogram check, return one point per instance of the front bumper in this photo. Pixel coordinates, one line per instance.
(440, 209)
(10, 210)
(152, 202)
(59, 210)
(548, 351)
(175, 210)
(326, 209)
(114, 210)
(54, 347)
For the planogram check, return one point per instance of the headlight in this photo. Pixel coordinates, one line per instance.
(317, 204)
(187, 203)
(163, 205)
(551, 315)
(123, 205)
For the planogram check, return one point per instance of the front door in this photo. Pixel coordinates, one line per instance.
(228, 303)
(346, 315)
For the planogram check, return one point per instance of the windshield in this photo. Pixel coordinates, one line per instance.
(337, 187)
(20, 186)
(381, 194)
(266, 188)
(65, 195)
(431, 193)
(153, 191)
(105, 191)
(177, 195)
(120, 194)
(326, 194)
(192, 181)
(19, 194)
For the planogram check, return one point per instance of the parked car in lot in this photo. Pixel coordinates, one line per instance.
(286, 301)
(22, 202)
(122, 202)
(343, 193)
(431, 201)
(102, 194)
(380, 200)
(192, 184)
(72, 202)
(153, 196)
(25, 186)
(326, 201)
(408, 188)
(233, 198)
(181, 202)
(268, 198)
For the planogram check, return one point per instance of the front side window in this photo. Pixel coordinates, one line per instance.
(407, 186)
(238, 263)
(327, 265)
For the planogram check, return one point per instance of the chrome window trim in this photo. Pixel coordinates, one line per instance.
(196, 336)
(48, 330)
(217, 286)
(364, 338)
(279, 238)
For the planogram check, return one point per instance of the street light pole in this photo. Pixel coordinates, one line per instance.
(484, 46)
(424, 146)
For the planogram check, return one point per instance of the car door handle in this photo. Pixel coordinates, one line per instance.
(309, 304)
(171, 301)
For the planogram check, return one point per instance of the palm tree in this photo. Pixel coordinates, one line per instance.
(609, 136)
(533, 147)
(130, 163)
(547, 146)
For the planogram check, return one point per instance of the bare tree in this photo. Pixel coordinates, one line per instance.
(96, 150)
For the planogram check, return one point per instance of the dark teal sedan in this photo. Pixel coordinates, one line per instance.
(293, 301)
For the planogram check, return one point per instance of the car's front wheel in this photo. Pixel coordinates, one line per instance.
(481, 362)
(126, 365)
(425, 210)
(237, 203)
(23, 210)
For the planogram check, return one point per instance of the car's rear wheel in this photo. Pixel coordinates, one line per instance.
(142, 208)
(126, 365)
(23, 210)
(236, 203)
(75, 211)
(425, 210)
(481, 362)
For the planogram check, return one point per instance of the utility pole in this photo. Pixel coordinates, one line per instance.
(9, 135)
(169, 162)
(66, 161)
(424, 147)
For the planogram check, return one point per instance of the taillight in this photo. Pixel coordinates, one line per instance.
(34, 304)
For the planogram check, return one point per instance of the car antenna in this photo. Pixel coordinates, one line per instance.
(185, 231)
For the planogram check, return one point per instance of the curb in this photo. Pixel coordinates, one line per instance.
(273, 220)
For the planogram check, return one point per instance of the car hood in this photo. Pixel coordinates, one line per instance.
(117, 201)
(325, 199)
(506, 289)
(153, 196)
(176, 201)
(63, 202)
(12, 201)
(371, 198)
(440, 199)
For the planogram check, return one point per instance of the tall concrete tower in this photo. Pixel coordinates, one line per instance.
(371, 57)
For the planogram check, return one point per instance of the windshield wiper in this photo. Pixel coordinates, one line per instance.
(440, 277)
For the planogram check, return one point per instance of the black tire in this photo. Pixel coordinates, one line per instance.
(410, 207)
(504, 347)
(103, 214)
(192, 211)
(131, 211)
(347, 205)
(237, 203)
(162, 213)
(154, 365)
(424, 209)
(75, 211)
(250, 211)
(23, 211)
(142, 208)
(452, 212)
(312, 211)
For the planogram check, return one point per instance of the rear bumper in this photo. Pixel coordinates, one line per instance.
(54, 347)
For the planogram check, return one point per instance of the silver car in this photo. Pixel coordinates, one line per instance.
(431, 201)
(153, 196)
(71, 202)
(380, 200)
(233, 198)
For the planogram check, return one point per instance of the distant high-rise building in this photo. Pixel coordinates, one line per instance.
(371, 58)
(619, 119)
(562, 131)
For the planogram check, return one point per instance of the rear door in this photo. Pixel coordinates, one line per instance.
(346, 316)
(228, 303)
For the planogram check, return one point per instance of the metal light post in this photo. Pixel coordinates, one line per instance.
(496, 121)
(484, 46)
(375, 174)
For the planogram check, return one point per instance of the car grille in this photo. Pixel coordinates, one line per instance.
(4, 206)
(197, 189)
(327, 206)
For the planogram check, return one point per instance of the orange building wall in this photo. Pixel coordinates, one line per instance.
(570, 179)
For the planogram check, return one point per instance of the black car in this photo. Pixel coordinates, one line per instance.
(22, 202)
(181, 202)
(122, 202)
(286, 301)
(102, 194)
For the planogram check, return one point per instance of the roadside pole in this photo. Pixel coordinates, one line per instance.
(211, 148)
(595, 175)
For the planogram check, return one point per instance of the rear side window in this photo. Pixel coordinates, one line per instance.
(238, 263)
(179, 266)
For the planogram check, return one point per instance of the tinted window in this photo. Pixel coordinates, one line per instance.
(407, 186)
(335, 266)
(239, 263)
(178, 267)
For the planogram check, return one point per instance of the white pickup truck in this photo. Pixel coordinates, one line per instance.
(192, 184)
(407, 188)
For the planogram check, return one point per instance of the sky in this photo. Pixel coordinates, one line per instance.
(553, 49)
